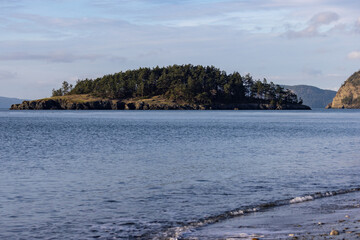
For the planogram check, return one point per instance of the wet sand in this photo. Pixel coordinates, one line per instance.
(306, 220)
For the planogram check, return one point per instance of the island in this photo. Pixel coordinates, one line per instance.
(348, 96)
(176, 87)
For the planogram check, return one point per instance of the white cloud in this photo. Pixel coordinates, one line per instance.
(354, 55)
(314, 25)
(97, 37)
(324, 18)
(332, 89)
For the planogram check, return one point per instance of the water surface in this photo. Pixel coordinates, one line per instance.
(137, 174)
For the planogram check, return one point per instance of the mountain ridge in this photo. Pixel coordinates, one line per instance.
(6, 102)
(312, 96)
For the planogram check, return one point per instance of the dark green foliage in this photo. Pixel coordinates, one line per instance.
(58, 92)
(193, 84)
(64, 90)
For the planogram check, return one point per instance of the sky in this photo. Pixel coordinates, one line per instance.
(46, 42)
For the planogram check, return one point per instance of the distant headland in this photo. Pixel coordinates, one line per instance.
(348, 96)
(313, 97)
(177, 87)
(6, 102)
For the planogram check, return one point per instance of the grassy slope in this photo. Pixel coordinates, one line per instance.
(82, 98)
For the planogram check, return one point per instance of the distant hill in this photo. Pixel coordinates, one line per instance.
(7, 102)
(348, 95)
(312, 96)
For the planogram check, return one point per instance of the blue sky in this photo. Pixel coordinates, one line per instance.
(44, 42)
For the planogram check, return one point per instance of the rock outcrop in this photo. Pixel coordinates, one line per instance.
(348, 96)
(65, 104)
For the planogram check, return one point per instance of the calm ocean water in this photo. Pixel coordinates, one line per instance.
(152, 174)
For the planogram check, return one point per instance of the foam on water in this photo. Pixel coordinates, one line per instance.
(301, 199)
(175, 232)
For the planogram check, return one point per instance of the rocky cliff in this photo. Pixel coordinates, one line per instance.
(348, 96)
(69, 103)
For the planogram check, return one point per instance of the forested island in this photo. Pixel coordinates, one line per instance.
(173, 87)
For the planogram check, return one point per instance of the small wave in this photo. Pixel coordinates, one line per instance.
(301, 199)
(175, 232)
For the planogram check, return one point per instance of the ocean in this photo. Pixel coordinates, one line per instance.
(167, 174)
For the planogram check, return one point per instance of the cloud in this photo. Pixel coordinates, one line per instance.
(324, 18)
(52, 57)
(336, 75)
(7, 5)
(314, 25)
(312, 72)
(65, 23)
(332, 89)
(354, 55)
(357, 25)
(97, 37)
(5, 75)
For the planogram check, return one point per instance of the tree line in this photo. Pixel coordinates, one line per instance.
(189, 83)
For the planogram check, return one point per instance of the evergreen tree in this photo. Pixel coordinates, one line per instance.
(194, 84)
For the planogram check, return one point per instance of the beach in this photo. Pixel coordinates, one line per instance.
(313, 219)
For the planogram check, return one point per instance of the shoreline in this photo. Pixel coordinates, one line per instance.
(144, 104)
(314, 219)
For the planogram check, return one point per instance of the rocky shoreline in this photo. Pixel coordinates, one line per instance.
(65, 104)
